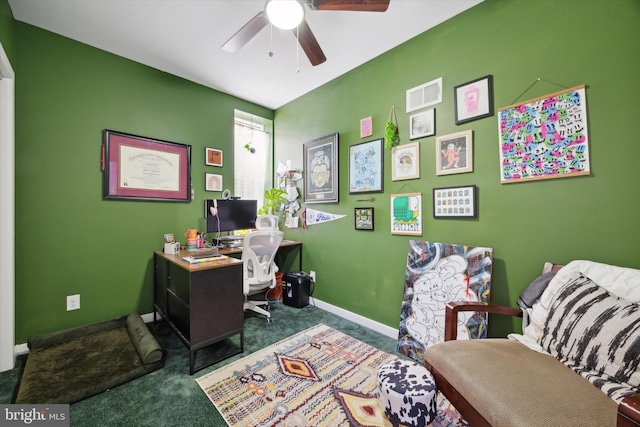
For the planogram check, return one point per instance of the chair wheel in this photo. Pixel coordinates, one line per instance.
(269, 320)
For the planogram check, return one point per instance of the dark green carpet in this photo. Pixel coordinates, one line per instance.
(170, 396)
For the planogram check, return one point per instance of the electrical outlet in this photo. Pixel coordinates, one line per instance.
(73, 302)
(312, 274)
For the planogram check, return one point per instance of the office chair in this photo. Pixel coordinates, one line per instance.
(258, 269)
(267, 222)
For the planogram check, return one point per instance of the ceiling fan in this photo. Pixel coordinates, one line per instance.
(275, 9)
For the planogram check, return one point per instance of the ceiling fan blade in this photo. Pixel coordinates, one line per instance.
(350, 5)
(309, 44)
(246, 33)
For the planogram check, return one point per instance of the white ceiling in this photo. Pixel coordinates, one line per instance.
(183, 38)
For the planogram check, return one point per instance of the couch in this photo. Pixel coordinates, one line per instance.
(575, 364)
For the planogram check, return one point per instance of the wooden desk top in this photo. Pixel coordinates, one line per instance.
(177, 258)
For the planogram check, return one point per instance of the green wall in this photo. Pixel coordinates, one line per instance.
(568, 42)
(6, 28)
(68, 239)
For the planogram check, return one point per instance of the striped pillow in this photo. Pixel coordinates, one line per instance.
(597, 335)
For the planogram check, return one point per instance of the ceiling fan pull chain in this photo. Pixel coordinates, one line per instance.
(271, 41)
(298, 49)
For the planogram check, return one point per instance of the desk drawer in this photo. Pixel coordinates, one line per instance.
(180, 282)
(178, 313)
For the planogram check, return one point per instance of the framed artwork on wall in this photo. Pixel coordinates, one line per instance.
(363, 218)
(454, 153)
(320, 158)
(405, 162)
(455, 202)
(366, 127)
(213, 157)
(140, 168)
(422, 124)
(474, 100)
(406, 214)
(366, 167)
(213, 182)
(545, 137)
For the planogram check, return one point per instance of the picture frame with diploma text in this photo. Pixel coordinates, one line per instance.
(141, 168)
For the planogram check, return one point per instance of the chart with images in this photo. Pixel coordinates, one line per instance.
(454, 202)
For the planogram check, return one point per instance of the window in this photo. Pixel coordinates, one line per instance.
(253, 156)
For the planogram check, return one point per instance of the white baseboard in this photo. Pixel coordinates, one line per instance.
(356, 318)
(21, 349)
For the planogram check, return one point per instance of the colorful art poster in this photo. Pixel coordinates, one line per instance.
(406, 214)
(545, 137)
(436, 274)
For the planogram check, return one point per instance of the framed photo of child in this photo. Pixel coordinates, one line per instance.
(454, 153)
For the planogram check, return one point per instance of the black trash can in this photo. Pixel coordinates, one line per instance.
(296, 289)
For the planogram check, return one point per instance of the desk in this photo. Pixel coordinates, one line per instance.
(286, 244)
(203, 303)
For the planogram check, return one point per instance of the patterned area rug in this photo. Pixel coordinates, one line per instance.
(317, 377)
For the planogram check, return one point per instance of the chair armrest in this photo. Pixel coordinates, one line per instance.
(452, 309)
(629, 411)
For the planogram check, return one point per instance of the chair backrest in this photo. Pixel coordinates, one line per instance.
(258, 251)
(267, 222)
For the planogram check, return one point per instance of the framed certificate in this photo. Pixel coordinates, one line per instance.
(140, 168)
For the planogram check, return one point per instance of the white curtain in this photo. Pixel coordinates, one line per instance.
(252, 159)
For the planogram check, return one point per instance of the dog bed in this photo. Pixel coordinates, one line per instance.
(74, 364)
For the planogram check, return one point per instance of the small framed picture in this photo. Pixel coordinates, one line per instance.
(168, 238)
(474, 100)
(405, 162)
(454, 153)
(422, 124)
(363, 218)
(213, 157)
(406, 214)
(212, 182)
(366, 127)
(455, 202)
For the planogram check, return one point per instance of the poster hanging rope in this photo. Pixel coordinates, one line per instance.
(410, 188)
(533, 84)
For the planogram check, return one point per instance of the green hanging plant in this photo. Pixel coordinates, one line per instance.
(391, 134)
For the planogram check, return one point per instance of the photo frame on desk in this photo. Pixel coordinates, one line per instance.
(141, 168)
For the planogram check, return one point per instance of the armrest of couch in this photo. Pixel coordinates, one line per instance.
(452, 309)
(629, 412)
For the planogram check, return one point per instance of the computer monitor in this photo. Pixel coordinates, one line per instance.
(232, 214)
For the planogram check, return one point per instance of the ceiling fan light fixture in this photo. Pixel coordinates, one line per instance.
(284, 14)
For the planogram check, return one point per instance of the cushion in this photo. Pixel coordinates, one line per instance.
(596, 334)
(510, 385)
(620, 281)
